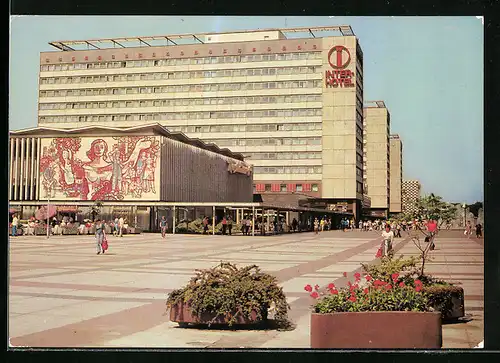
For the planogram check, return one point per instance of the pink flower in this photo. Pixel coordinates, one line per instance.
(401, 284)
(334, 292)
(345, 274)
(388, 286)
(368, 278)
(308, 288)
(316, 287)
(395, 277)
(331, 285)
(365, 290)
(352, 298)
(357, 276)
(418, 283)
(418, 288)
(315, 295)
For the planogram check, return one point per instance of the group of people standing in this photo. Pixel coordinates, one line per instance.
(478, 229)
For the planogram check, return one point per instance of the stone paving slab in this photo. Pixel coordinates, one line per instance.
(64, 295)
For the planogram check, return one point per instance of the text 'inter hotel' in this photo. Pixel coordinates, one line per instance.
(293, 107)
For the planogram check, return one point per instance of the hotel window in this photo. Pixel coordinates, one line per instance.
(298, 187)
(267, 187)
(283, 187)
(315, 188)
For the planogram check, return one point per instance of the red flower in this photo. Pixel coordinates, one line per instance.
(315, 295)
(368, 278)
(388, 286)
(316, 287)
(395, 277)
(349, 283)
(418, 283)
(345, 274)
(352, 298)
(357, 276)
(334, 292)
(308, 288)
(365, 290)
(331, 285)
(378, 283)
(418, 288)
(401, 284)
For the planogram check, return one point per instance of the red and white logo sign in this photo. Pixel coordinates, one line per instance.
(339, 57)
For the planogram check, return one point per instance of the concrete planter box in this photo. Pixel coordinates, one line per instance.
(376, 330)
(182, 314)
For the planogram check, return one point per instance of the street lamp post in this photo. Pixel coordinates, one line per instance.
(464, 206)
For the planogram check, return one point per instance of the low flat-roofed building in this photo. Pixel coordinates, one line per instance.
(134, 170)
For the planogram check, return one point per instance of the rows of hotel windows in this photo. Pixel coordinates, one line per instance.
(288, 188)
(216, 87)
(307, 126)
(283, 156)
(184, 61)
(180, 75)
(287, 169)
(184, 115)
(184, 102)
(266, 141)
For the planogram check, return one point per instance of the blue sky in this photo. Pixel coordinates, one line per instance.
(428, 70)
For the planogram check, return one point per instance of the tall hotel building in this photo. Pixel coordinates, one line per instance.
(377, 123)
(293, 107)
(396, 174)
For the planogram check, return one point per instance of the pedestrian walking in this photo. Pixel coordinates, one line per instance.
(163, 226)
(468, 229)
(388, 238)
(316, 225)
(479, 230)
(294, 225)
(248, 224)
(322, 225)
(115, 229)
(121, 222)
(15, 223)
(224, 225)
(205, 225)
(432, 229)
(99, 236)
(229, 225)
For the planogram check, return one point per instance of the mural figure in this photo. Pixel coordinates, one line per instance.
(111, 169)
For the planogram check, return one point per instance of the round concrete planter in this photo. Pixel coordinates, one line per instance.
(376, 330)
(182, 314)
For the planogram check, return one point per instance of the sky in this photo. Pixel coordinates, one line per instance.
(428, 70)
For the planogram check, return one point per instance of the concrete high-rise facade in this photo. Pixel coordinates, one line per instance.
(411, 192)
(396, 174)
(377, 156)
(293, 107)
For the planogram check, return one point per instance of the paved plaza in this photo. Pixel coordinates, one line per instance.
(61, 294)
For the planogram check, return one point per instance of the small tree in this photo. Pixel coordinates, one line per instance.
(95, 210)
(429, 207)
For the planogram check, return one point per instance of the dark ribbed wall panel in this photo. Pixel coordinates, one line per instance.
(190, 174)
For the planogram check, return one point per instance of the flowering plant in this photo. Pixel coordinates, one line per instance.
(369, 294)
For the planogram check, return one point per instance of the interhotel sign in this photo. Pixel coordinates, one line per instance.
(339, 58)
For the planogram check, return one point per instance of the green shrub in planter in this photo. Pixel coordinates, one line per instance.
(377, 295)
(443, 296)
(226, 290)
